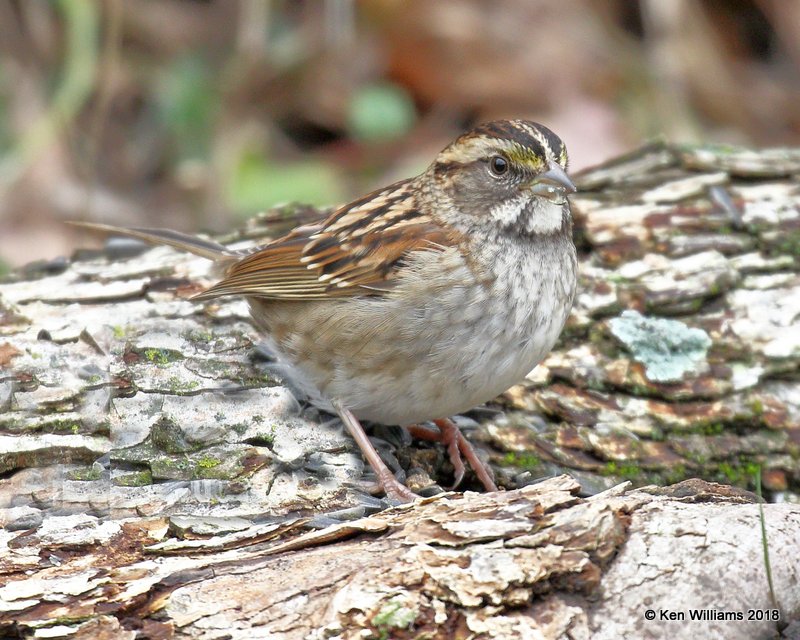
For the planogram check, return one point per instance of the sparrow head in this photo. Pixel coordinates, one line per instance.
(512, 171)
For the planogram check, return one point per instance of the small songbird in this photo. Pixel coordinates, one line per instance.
(422, 299)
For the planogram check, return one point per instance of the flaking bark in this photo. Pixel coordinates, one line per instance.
(158, 478)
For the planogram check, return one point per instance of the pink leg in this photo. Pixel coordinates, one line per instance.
(393, 488)
(457, 446)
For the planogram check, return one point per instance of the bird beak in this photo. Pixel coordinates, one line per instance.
(554, 184)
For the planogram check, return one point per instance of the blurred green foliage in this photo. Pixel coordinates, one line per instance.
(187, 104)
(380, 111)
(213, 110)
(257, 182)
(5, 132)
(72, 83)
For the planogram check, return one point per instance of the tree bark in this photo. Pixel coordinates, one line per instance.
(159, 479)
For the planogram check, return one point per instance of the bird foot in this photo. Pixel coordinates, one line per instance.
(457, 446)
(395, 490)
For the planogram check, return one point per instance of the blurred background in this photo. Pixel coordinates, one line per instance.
(195, 114)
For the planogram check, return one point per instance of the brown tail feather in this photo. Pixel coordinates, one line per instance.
(198, 246)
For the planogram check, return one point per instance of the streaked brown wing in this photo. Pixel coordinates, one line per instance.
(356, 250)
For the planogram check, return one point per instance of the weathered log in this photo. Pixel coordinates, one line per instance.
(157, 475)
(536, 562)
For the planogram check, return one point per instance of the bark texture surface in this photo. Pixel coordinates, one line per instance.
(536, 562)
(158, 479)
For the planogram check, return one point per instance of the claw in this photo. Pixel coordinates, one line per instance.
(457, 447)
(393, 488)
(449, 434)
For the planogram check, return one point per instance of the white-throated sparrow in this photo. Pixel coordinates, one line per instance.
(421, 299)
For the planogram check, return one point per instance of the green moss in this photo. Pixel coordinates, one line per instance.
(687, 306)
(712, 428)
(609, 469)
(757, 406)
(178, 386)
(788, 244)
(86, 474)
(161, 357)
(642, 390)
(11, 424)
(167, 435)
(207, 462)
(572, 333)
(262, 439)
(595, 384)
(698, 458)
(238, 427)
(629, 470)
(51, 424)
(66, 621)
(136, 479)
(752, 468)
(739, 472)
(157, 356)
(521, 459)
(729, 472)
(394, 615)
(181, 465)
(675, 474)
(119, 332)
(256, 381)
(198, 335)
(209, 468)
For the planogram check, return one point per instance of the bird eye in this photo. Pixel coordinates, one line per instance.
(498, 165)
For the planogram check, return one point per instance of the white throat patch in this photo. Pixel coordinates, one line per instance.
(535, 215)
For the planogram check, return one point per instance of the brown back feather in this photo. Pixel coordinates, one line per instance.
(355, 251)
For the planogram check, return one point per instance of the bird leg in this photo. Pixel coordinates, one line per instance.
(393, 488)
(457, 445)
